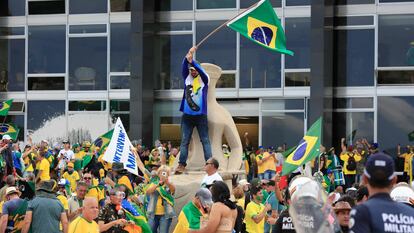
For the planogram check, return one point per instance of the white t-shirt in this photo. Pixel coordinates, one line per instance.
(208, 180)
(67, 154)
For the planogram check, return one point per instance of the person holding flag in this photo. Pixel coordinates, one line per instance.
(194, 108)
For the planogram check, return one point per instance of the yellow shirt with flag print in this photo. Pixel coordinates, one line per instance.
(44, 167)
(252, 210)
(72, 178)
(81, 225)
(344, 157)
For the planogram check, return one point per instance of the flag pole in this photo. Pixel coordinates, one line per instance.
(224, 24)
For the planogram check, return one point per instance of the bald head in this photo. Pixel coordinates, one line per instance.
(90, 209)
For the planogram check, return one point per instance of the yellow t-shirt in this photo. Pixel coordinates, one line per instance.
(252, 210)
(407, 160)
(344, 157)
(64, 201)
(72, 178)
(261, 167)
(81, 225)
(27, 163)
(269, 164)
(240, 202)
(44, 166)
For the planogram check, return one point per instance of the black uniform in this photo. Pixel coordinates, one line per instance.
(381, 214)
(284, 223)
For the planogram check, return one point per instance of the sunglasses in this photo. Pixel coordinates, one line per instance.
(208, 163)
(87, 178)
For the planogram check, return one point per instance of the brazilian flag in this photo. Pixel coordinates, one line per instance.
(102, 141)
(5, 106)
(134, 214)
(189, 218)
(9, 129)
(306, 150)
(261, 25)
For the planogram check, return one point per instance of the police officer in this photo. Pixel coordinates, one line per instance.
(380, 213)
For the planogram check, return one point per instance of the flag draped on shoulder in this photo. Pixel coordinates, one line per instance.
(189, 218)
(306, 150)
(9, 129)
(5, 106)
(261, 25)
(134, 214)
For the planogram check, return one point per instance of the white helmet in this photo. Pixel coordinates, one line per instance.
(298, 180)
(402, 192)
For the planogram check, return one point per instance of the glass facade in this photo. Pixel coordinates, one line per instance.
(75, 64)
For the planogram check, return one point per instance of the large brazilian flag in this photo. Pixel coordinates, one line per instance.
(102, 141)
(306, 150)
(261, 25)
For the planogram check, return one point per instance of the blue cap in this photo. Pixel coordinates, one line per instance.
(260, 147)
(380, 167)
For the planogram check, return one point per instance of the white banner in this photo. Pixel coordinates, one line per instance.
(119, 149)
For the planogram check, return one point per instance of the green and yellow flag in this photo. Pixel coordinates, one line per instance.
(5, 106)
(189, 218)
(102, 141)
(261, 25)
(9, 129)
(306, 150)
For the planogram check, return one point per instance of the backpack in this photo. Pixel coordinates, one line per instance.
(352, 165)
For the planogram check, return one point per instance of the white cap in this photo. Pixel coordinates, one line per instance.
(6, 137)
(243, 182)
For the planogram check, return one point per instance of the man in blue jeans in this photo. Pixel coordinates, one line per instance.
(194, 108)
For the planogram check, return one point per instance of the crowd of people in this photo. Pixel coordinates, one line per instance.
(69, 188)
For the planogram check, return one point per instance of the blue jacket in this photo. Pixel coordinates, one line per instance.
(194, 102)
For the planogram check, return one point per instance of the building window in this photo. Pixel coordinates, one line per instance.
(11, 31)
(88, 7)
(12, 7)
(298, 40)
(120, 5)
(219, 49)
(87, 105)
(282, 121)
(49, 82)
(354, 59)
(174, 5)
(46, 119)
(385, 1)
(120, 81)
(89, 28)
(395, 40)
(280, 128)
(47, 49)
(248, 3)
(120, 108)
(226, 80)
(352, 2)
(297, 79)
(88, 63)
(395, 122)
(259, 67)
(12, 65)
(120, 47)
(172, 49)
(387, 77)
(352, 126)
(215, 4)
(297, 2)
(46, 7)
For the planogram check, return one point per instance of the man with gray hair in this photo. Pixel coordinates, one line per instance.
(189, 218)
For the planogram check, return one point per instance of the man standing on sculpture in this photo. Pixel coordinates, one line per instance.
(194, 108)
